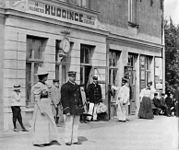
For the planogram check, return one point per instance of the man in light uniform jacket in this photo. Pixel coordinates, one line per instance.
(122, 101)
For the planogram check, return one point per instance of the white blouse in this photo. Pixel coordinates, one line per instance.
(16, 99)
(145, 92)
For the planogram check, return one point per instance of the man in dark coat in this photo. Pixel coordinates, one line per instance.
(159, 104)
(72, 108)
(94, 96)
(169, 103)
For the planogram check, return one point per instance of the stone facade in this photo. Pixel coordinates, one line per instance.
(111, 32)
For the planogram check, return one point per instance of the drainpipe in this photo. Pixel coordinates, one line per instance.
(163, 45)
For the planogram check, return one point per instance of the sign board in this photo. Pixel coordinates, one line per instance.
(61, 13)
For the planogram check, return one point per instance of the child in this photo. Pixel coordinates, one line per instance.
(15, 106)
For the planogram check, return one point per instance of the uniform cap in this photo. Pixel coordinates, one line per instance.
(95, 77)
(71, 73)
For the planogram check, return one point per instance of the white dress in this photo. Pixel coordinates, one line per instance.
(43, 128)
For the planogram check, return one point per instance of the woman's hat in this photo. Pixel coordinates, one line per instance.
(41, 71)
(16, 86)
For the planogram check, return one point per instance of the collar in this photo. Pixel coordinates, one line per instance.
(42, 82)
(71, 82)
(94, 83)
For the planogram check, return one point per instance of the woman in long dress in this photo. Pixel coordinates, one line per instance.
(145, 110)
(43, 128)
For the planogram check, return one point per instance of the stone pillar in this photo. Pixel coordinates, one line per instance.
(1, 66)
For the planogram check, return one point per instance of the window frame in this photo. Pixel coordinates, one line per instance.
(34, 64)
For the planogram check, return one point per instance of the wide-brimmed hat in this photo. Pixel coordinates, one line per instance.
(16, 87)
(41, 71)
(71, 73)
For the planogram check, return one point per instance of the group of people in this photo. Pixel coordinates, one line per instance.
(68, 103)
(44, 126)
(151, 104)
(54, 105)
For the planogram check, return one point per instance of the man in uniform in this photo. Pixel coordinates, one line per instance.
(122, 101)
(72, 108)
(94, 95)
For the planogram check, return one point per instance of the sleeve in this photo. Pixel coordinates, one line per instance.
(36, 91)
(100, 93)
(65, 100)
(114, 87)
(118, 96)
(126, 95)
(88, 93)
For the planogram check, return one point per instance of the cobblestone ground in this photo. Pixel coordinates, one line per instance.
(158, 134)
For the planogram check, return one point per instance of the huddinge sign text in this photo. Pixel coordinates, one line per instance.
(60, 13)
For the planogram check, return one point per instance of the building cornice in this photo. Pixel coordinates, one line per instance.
(133, 41)
(19, 14)
(110, 36)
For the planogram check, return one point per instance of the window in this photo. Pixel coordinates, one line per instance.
(158, 73)
(34, 59)
(132, 13)
(145, 70)
(86, 52)
(81, 3)
(113, 66)
(132, 58)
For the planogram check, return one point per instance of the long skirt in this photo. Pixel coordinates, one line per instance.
(44, 128)
(145, 110)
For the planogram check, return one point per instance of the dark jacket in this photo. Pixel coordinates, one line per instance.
(71, 99)
(169, 102)
(157, 102)
(94, 93)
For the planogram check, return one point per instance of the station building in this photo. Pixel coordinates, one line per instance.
(107, 38)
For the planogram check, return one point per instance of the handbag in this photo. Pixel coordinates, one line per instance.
(101, 108)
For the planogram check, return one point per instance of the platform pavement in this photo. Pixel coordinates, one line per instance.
(161, 133)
